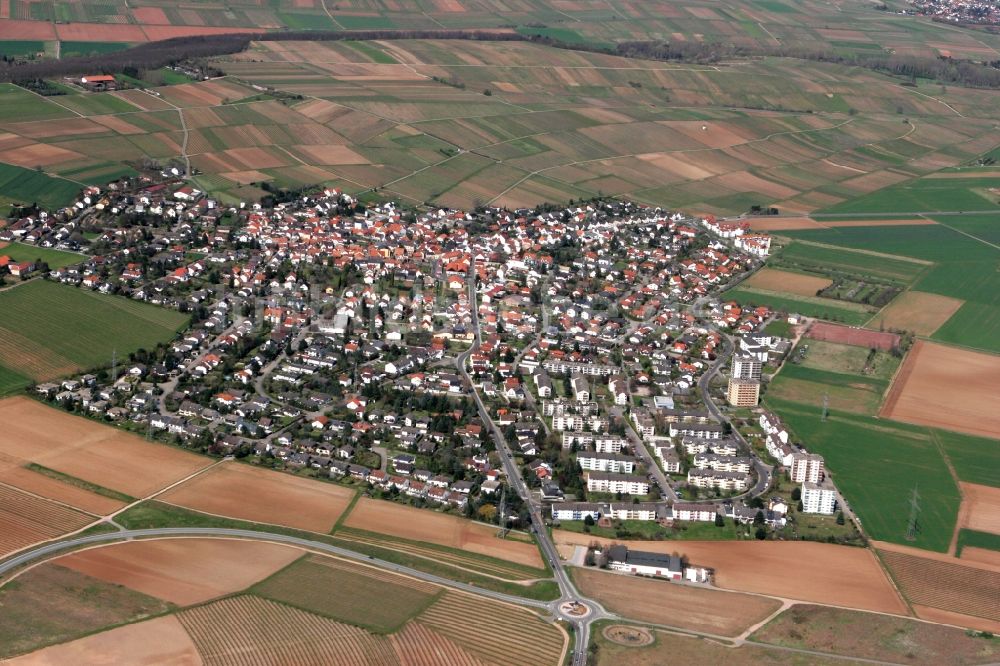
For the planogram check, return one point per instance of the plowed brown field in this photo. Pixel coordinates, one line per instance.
(150, 643)
(87, 450)
(25, 519)
(183, 571)
(657, 601)
(918, 311)
(263, 495)
(788, 282)
(947, 387)
(452, 531)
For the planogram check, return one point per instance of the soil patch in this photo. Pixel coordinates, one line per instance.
(265, 496)
(657, 601)
(981, 556)
(100, 454)
(983, 508)
(626, 635)
(947, 387)
(452, 531)
(918, 311)
(849, 335)
(804, 570)
(183, 571)
(871, 636)
(151, 643)
(773, 279)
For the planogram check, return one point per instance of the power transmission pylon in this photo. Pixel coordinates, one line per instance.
(114, 366)
(826, 405)
(912, 525)
(502, 532)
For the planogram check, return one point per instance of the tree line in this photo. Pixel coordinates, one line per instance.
(153, 55)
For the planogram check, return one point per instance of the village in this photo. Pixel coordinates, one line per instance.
(351, 343)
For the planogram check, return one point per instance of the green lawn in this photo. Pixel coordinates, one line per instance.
(848, 392)
(876, 464)
(54, 327)
(54, 258)
(20, 185)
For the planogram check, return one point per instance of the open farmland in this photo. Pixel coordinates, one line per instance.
(50, 603)
(946, 584)
(553, 127)
(344, 591)
(810, 306)
(161, 640)
(949, 388)
(784, 281)
(657, 601)
(26, 520)
(182, 571)
(81, 448)
(980, 508)
(263, 495)
(962, 265)
(50, 329)
(804, 570)
(858, 449)
(870, 636)
(435, 528)
(917, 311)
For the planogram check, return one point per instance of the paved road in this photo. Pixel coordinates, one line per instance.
(666, 491)
(53, 548)
(569, 592)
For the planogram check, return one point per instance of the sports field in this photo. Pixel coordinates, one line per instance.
(50, 329)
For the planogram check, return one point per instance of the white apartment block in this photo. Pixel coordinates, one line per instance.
(722, 463)
(576, 510)
(565, 422)
(606, 462)
(746, 367)
(669, 458)
(581, 388)
(780, 451)
(628, 511)
(708, 478)
(608, 482)
(607, 444)
(818, 499)
(702, 430)
(694, 512)
(806, 467)
(593, 369)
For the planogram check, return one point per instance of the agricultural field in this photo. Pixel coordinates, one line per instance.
(772, 279)
(962, 266)
(307, 584)
(26, 520)
(949, 388)
(219, 601)
(78, 448)
(50, 604)
(263, 495)
(980, 509)
(20, 185)
(182, 571)
(674, 648)
(918, 312)
(70, 333)
(946, 585)
(878, 637)
(657, 601)
(452, 532)
(804, 570)
(360, 115)
(849, 392)
(53, 258)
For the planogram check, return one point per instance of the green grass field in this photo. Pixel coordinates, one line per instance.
(26, 186)
(977, 540)
(876, 465)
(73, 49)
(923, 196)
(810, 306)
(965, 268)
(21, 48)
(50, 328)
(12, 382)
(823, 258)
(18, 104)
(54, 258)
(847, 392)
